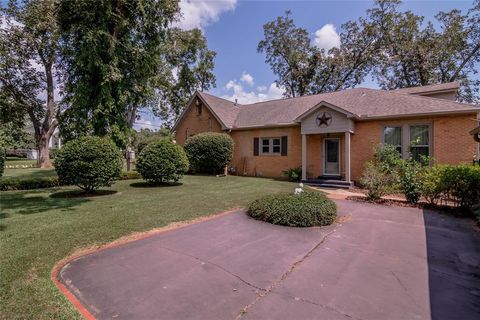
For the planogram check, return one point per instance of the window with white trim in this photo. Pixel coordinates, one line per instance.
(393, 137)
(270, 145)
(419, 141)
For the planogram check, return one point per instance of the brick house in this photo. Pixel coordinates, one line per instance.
(332, 135)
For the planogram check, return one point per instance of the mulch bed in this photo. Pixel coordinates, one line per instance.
(402, 203)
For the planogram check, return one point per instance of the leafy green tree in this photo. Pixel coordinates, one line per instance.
(399, 49)
(13, 137)
(415, 53)
(190, 69)
(113, 55)
(290, 55)
(29, 42)
(302, 68)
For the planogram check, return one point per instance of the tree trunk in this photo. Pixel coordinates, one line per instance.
(43, 154)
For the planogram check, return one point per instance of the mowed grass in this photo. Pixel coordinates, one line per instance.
(40, 227)
(27, 173)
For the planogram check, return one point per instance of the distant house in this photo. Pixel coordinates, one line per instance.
(332, 135)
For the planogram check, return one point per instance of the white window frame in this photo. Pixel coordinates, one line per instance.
(270, 146)
(406, 139)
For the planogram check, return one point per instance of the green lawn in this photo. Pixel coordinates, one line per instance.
(26, 173)
(40, 227)
(29, 173)
(19, 161)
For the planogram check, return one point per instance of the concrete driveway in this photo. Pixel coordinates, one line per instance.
(378, 263)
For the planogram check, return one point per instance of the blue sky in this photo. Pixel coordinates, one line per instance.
(236, 34)
(234, 28)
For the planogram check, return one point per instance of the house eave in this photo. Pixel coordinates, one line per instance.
(414, 115)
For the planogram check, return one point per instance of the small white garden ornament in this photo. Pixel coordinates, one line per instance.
(299, 190)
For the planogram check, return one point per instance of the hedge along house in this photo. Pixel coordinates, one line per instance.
(331, 135)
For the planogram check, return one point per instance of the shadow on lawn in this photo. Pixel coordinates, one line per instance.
(29, 203)
(81, 194)
(453, 250)
(154, 185)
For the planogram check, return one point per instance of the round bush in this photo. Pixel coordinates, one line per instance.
(89, 163)
(162, 161)
(304, 210)
(209, 152)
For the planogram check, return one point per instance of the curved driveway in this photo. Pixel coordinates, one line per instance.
(378, 263)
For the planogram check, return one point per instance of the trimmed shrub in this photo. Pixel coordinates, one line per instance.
(209, 152)
(293, 174)
(432, 185)
(2, 161)
(303, 210)
(11, 183)
(162, 161)
(462, 184)
(89, 163)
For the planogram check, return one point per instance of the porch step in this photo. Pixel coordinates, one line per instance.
(328, 183)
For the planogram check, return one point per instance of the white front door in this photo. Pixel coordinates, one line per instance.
(331, 156)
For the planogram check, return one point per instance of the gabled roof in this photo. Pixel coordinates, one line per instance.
(433, 88)
(358, 103)
(226, 110)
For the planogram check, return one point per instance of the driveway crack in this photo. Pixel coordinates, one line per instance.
(317, 304)
(277, 282)
(217, 266)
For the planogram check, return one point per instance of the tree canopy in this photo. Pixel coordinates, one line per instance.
(112, 57)
(190, 68)
(397, 48)
(28, 67)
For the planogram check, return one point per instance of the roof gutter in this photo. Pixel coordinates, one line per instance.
(425, 114)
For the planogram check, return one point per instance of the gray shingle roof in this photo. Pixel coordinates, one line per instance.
(450, 86)
(363, 103)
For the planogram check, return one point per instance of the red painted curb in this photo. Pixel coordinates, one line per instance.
(70, 296)
(55, 274)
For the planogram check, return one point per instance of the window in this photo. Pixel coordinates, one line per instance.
(199, 109)
(419, 141)
(393, 136)
(270, 145)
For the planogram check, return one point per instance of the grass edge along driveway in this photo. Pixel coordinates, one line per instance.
(38, 228)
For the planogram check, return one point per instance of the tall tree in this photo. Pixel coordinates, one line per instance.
(112, 59)
(414, 53)
(190, 69)
(302, 68)
(28, 67)
(290, 55)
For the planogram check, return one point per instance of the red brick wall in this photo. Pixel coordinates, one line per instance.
(195, 123)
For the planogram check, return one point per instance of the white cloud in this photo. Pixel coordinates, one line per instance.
(262, 93)
(261, 88)
(247, 78)
(200, 13)
(326, 37)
